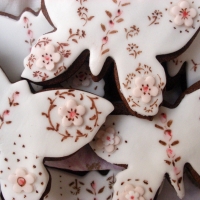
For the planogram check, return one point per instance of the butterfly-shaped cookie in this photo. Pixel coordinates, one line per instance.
(134, 33)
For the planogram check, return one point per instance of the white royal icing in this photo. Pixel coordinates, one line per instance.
(192, 59)
(82, 80)
(31, 129)
(153, 148)
(88, 187)
(17, 44)
(133, 33)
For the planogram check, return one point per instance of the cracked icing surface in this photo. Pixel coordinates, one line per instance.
(138, 36)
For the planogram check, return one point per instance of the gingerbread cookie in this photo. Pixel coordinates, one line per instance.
(152, 148)
(82, 80)
(191, 57)
(132, 39)
(53, 123)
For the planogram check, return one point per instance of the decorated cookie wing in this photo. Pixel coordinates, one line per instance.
(89, 187)
(17, 39)
(152, 148)
(49, 124)
(82, 80)
(192, 58)
(133, 33)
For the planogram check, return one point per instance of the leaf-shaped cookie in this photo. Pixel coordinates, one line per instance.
(47, 124)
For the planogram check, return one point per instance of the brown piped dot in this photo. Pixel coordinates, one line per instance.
(6, 159)
(34, 166)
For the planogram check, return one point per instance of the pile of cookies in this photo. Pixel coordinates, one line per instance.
(106, 86)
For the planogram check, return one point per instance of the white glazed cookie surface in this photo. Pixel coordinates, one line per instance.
(53, 123)
(91, 186)
(23, 34)
(192, 59)
(152, 148)
(132, 39)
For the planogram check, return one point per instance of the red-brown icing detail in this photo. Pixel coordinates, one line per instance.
(62, 49)
(31, 61)
(75, 187)
(168, 142)
(12, 103)
(93, 190)
(133, 50)
(40, 74)
(60, 70)
(80, 135)
(195, 65)
(83, 12)
(97, 113)
(155, 17)
(56, 126)
(43, 42)
(13, 98)
(27, 26)
(133, 31)
(113, 18)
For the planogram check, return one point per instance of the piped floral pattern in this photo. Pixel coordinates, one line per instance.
(145, 88)
(132, 193)
(107, 140)
(71, 113)
(47, 57)
(22, 181)
(183, 14)
(168, 142)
